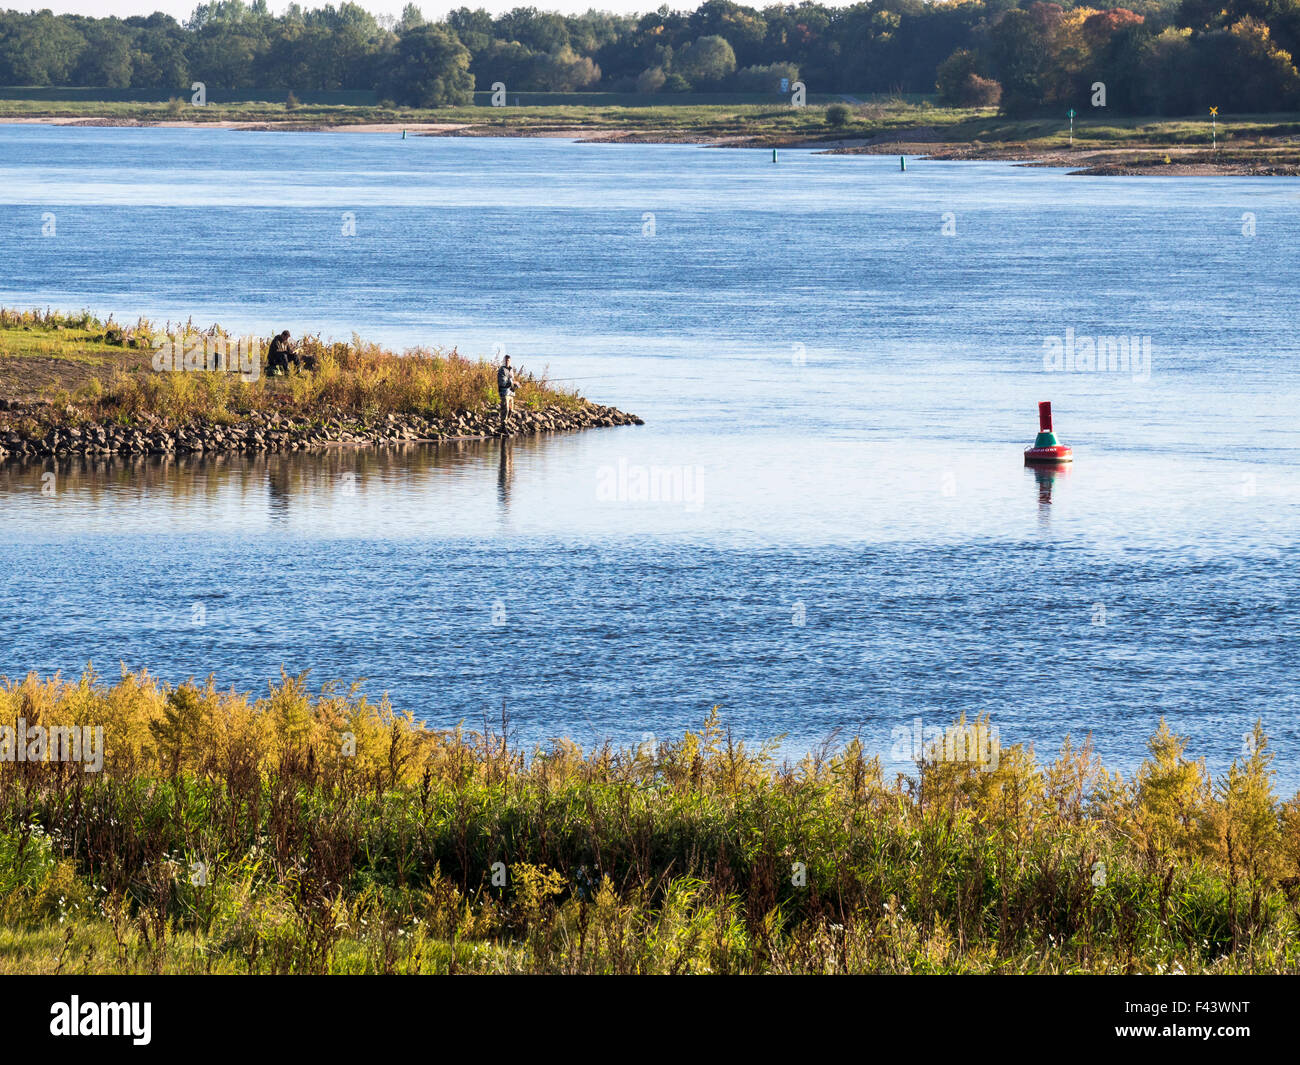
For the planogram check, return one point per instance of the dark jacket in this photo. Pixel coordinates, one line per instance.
(280, 352)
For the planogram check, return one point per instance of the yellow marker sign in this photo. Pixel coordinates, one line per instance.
(1214, 110)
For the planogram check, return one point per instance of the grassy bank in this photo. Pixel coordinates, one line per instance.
(105, 370)
(319, 832)
(770, 122)
(774, 120)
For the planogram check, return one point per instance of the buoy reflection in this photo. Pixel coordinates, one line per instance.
(1044, 478)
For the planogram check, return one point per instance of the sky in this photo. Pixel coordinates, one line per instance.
(181, 9)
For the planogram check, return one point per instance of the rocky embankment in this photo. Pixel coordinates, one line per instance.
(256, 431)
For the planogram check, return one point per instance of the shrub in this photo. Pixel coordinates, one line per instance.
(837, 115)
(981, 92)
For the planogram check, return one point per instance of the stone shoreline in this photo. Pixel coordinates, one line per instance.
(259, 431)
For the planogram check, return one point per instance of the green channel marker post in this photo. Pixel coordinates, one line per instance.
(774, 155)
(902, 163)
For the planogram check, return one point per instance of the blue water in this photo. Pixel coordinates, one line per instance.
(841, 390)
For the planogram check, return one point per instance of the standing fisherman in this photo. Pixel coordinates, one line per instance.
(506, 387)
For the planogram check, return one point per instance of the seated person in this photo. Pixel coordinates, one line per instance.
(279, 355)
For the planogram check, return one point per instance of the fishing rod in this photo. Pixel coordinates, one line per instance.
(568, 380)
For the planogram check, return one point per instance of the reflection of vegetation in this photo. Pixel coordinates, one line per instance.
(303, 474)
(324, 833)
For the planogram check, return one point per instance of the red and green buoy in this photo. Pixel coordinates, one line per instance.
(1047, 450)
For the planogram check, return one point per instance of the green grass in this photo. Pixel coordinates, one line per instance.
(771, 119)
(54, 335)
(80, 345)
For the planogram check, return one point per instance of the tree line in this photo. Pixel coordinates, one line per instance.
(1151, 57)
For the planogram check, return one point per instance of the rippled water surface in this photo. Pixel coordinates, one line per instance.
(836, 396)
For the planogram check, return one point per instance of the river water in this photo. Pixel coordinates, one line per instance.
(838, 363)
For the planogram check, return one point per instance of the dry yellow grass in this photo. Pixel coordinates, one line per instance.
(107, 371)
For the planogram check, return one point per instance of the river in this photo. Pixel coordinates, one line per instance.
(838, 363)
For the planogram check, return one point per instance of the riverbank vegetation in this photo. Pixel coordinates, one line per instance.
(701, 118)
(319, 831)
(1152, 56)
(63, 369)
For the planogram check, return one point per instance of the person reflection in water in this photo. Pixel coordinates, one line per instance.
(505, 474)
(277, 477)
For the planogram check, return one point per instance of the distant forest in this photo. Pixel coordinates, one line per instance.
(1154, 56)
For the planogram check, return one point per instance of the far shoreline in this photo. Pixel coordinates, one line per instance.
(1141, 155)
